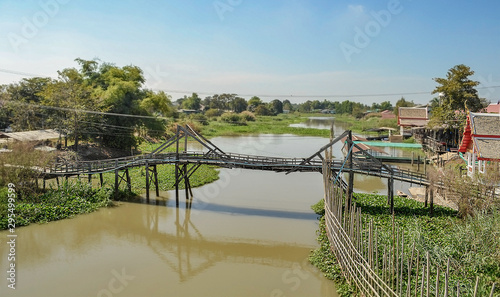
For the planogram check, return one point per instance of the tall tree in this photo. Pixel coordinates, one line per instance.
(69, 95)
(192, 102)
(287, 105)
(276, 106)
(456, 91)
(239, 104)
(21, 100)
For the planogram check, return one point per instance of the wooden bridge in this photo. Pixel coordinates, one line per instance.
(212, 155)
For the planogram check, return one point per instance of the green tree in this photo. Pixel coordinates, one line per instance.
(262, 110)
(402, 103)
(287, 105)
(157, 103)
(192, 102)
(305, 107)
(386, 105)
(239, 104)
(255, 101)
(69, 95)
(276, 106)
(21, 100)
(455, 91)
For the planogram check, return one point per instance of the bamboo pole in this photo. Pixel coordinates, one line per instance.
(428, 275)
(437, 281)
(476, 286)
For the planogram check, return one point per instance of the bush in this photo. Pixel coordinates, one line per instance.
(212, 113)
(248, 116)
(200, 118)
(262, 110)
(232, 118)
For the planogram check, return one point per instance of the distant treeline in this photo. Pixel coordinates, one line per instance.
(84, 103)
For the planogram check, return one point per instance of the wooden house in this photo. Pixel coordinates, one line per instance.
(411, 117)
(481, 141)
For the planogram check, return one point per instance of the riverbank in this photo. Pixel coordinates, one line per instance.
(69, 200)
(472, 245)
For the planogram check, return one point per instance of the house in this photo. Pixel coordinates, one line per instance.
(361, 142)
(38, 135)
(481, 141)
(410, 117)
(493, 108)
(387, 114)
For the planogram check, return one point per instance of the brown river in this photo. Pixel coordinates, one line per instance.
(248, 234)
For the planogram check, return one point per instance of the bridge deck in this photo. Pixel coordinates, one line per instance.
(230, 160)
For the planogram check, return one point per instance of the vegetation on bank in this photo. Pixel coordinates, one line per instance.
(262, 125)
(472, 245)
(69, 200)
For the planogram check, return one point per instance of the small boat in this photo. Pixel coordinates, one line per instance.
(401, 194)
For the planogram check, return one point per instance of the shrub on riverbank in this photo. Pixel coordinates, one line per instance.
(71, 199)
(472, 245)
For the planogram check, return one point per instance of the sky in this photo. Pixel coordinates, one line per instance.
(364, 51)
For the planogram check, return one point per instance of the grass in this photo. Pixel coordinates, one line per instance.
(263, 125)
(364, 124)
(280, 124)
(472, 245)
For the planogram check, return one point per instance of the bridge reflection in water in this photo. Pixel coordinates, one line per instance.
(189, 253)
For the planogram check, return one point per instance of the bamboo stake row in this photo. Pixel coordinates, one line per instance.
(356, 246)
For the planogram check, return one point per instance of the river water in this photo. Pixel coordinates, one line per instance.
(248, 234)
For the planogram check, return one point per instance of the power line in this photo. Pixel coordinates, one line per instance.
(21, 73)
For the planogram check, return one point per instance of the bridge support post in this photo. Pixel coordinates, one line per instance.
(350, 187)
(427, 189)
(390, 192)
(117, 182)
(157, 188)
(90, 174)
(186, 181)
(101, 179)
(129, 182)
(432, 201)
(147, 180)
(177, 183)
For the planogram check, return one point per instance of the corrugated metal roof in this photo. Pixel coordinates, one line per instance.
(37, 135)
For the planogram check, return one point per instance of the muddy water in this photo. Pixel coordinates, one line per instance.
(248, 234)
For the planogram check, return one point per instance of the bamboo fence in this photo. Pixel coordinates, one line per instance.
(378, 270)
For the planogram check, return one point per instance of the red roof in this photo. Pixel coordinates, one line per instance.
(493, 108)
(482, 136)
(467, 137)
